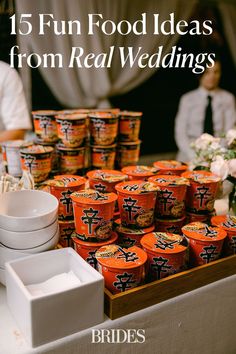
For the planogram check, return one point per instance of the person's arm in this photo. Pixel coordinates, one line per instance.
(181, 137)
(14, 112)
(12, 134)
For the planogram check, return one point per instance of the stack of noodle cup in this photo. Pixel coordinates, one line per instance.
(62, 186)
(45, 128)
(72, 129)
(136, 201)
(93, 215)
(66, 131)
(103, 130)
(170, 205)
(201, 195)
(128, 148)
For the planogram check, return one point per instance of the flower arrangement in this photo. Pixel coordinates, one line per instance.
(218, 155)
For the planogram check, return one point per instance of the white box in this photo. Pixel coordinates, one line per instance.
(47, 317)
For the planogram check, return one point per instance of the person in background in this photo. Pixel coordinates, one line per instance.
(208, 109)
(14, 114)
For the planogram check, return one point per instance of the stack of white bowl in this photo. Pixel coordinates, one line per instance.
(28, 224)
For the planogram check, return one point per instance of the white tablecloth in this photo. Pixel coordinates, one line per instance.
(202, 321)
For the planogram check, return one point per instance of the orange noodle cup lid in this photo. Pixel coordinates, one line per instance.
(136, 187)
(113, 146)
(203, 232)
(87, 244)
(91, 196)
(114, 256)
(129, 143)
(130, 114)
(37, 149)
(62, 181)
(226, 222)
(65, 148)
(169, 180)
(139, 170)
(102, 115)
(131, 231)
(164, 242)
(201, 176)
(109, 176)
(170, 165)
(74, 116)
(44, 113)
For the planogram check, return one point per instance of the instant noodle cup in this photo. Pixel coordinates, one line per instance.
(130, 237)
(45, 125)
(139, 172)
(71, 160)
(71, 129)
(37, 160)
(93, 213)
(103, 157)
(136, 200)
(205, 217)
(170, 196)
(170, 225)
(122, 268)
(55, 165)
(167, 254)
(129, 126)
(205, 242)
(128, 153)
(228, 224)
(105, 180)
(11, 155)
(170, 167)
(62, 187)
(201, 193)
(103, 127)
(87, 250)
(66, 229)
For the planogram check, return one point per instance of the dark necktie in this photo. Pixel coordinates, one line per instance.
(208, 121)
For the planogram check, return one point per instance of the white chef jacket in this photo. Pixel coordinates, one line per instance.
(189, 121)
(13, 109)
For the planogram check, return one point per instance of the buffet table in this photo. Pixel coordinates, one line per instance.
(201, 321)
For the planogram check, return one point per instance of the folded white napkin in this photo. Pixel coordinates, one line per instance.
(60, 282)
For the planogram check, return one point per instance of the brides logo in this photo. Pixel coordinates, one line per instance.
(118, 335)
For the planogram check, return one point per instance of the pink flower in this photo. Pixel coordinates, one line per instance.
(220, 167)
(232, 167)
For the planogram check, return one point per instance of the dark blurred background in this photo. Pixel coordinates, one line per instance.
(159, 96)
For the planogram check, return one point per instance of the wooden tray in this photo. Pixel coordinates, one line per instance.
(160, 290)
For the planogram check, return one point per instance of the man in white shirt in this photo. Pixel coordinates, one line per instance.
(190, 121)
(14, 115)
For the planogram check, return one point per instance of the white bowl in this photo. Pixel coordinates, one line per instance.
(49, 245)
(27, 239)
(7, 255)
(2, 276)
(27, 210)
